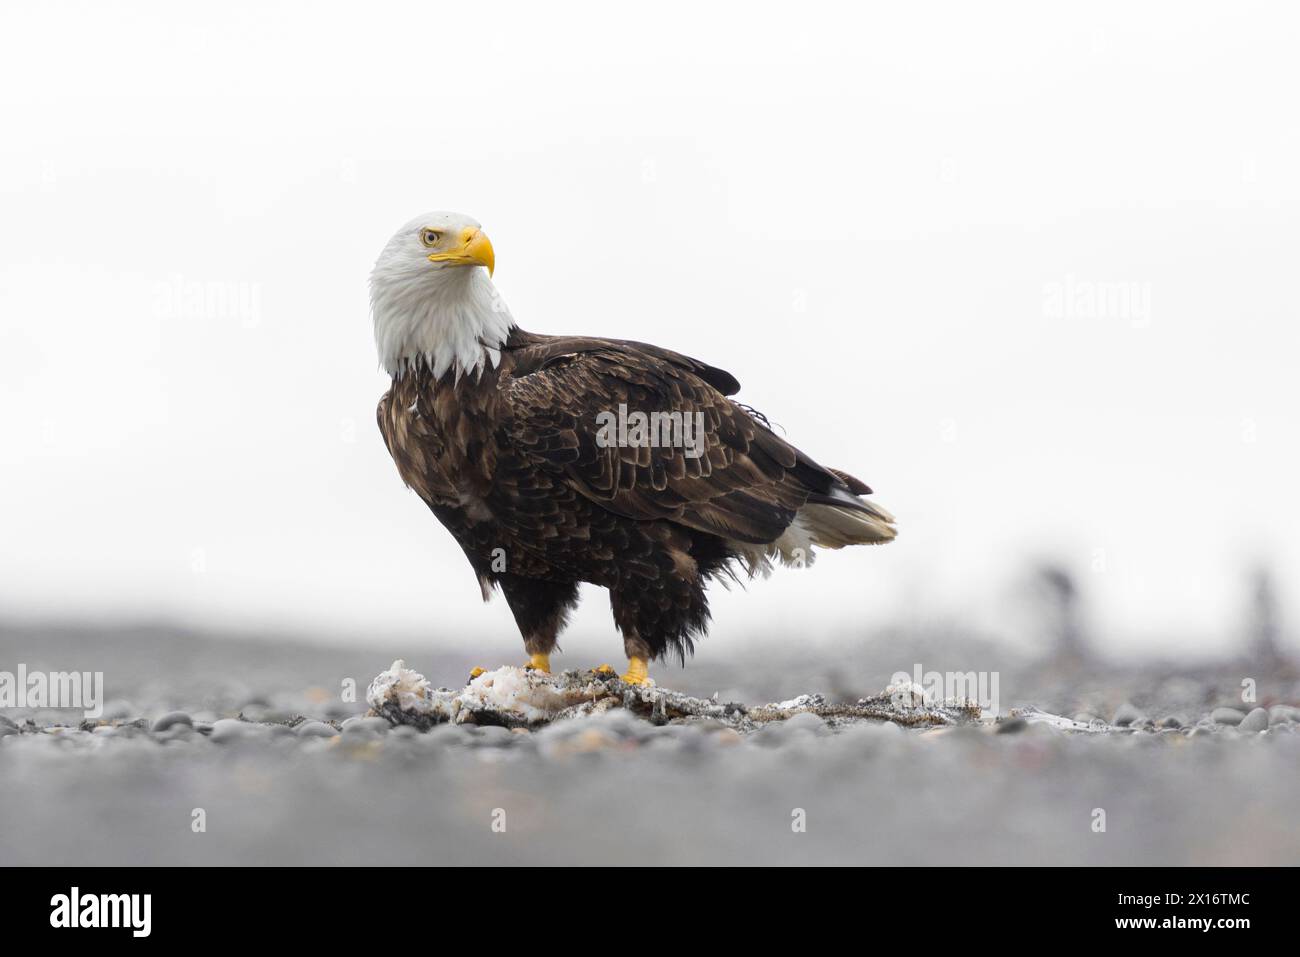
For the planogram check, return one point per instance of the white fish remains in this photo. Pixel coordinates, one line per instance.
(513, 696)
(521, 698)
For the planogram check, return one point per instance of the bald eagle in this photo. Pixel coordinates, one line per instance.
(556, 460)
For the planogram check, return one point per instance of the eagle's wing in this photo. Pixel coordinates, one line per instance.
(531, 353)
(746, 484)
(415, 446)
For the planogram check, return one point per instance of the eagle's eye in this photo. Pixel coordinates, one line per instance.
(430, 237)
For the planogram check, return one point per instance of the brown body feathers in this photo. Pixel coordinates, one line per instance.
(513, 461)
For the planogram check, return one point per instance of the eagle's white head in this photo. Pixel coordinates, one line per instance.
(432, 298)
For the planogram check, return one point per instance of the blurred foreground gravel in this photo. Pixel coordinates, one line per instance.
(1204, 778)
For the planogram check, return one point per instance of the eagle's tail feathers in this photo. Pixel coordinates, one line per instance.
(825, 526)
(834, 526)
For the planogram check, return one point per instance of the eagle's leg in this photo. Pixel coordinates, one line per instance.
(638, 671)
(638, 660)
(658, 615)
(638, 664)
(540, 609)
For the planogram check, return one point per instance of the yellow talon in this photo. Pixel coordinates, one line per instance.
(638, 672)
(603, 670)
(540, 663)
(475, 672)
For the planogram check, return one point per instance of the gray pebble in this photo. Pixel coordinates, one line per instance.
(171, 719)
(675, 731)
(705, 725)
(492, 735)
(1283, 712)
(359, 723)
(1257, 720)
(1173, 721)
(800, 726)
(623, 724)
(1127, 714)
(268, 715)
(770, 735)
(232, 729)
(313, 729)
(117, 710)
(447, 735)
(1229, 716)
(806, 720)
(1012, 726)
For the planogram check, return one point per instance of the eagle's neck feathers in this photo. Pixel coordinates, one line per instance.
(444, 319)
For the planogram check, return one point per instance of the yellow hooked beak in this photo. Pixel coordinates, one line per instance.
(473, 250)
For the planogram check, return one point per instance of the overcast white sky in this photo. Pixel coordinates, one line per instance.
(1028, 272)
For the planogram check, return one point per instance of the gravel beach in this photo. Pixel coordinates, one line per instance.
(213, 750)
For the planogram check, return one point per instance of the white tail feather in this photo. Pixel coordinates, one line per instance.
(832, 526)
(826, 526)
